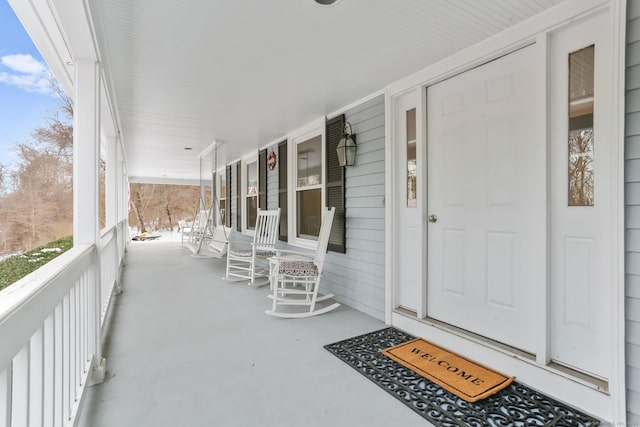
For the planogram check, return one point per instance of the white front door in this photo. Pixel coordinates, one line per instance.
(581, 197)
(486, 199)
(408, 199)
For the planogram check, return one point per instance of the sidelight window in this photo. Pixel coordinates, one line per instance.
(581, 136)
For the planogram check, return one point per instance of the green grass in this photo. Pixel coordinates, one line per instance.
(15, 268)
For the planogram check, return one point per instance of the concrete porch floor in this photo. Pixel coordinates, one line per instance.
(185, 348)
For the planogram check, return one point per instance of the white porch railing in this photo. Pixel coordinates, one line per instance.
(113, 244)
(51, 326)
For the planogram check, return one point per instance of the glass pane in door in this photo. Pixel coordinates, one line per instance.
(411, 159)
(581, 137)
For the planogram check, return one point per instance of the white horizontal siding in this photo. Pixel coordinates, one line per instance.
(632, 212)
(357, 277)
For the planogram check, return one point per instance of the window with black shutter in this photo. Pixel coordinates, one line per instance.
(262, 179)
(227, 211)
(251, 193)
(335, 192)
(238, 199)
(282, 191)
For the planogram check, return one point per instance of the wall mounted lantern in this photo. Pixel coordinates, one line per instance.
(347, 147)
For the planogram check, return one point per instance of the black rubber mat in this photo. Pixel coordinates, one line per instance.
(517, 405)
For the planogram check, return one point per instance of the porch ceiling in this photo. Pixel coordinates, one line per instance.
(184, 74)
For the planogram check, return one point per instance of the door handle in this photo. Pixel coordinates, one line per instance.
(432, 218)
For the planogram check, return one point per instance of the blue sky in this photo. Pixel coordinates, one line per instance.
(25, 97)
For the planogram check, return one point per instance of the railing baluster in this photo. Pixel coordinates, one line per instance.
(20, 388)
(5, 397)
(79, 361)
(66, 359)
(72, 347)
(83, 321)
(48, 378)
(58, 366)
(36, 375)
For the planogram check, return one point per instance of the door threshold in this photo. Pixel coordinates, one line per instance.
(583, 378)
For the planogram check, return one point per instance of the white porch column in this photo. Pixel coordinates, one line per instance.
(86, 179)
(112, 188)
(124, 207)
(86, 153)
(122, 191)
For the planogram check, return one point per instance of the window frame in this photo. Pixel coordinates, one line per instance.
(220, 175)
(244, 163)
(313, 130)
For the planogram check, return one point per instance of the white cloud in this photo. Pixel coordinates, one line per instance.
(26, 73)
(22, 63)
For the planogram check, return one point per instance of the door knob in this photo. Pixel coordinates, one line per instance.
(432, 218)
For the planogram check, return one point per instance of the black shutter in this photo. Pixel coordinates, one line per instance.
(335, 193)
(282, 191)
(262, 179)
(238, 200)
(227, 207)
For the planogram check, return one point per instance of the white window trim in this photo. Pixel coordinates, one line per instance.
(311, 130)
(220, 174)
(244, 162)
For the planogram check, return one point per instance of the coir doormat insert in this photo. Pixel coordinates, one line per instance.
(459, 375)
(516, 405)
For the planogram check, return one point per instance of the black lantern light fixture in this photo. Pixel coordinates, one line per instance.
(347, 147)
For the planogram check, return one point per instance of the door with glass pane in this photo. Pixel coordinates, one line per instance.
(410, 251)
(580, 197)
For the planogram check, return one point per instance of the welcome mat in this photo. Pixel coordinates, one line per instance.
(516, 405)
(462, 377)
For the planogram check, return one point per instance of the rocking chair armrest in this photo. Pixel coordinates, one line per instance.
(280, 253)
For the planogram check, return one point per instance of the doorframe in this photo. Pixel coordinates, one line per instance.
(611, 405)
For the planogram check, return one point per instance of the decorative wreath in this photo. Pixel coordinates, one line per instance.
(271, 160)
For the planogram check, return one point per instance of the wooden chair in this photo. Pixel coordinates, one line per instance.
(242, 261)
(295, 277)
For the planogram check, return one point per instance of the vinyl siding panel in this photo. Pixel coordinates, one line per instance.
(632, 211)
(632, 146)
(632, 122)
(633, 331)
(632, 100)
(632, 193)
(633, 288)
(632, 240)
(357, 277)
(632, 76)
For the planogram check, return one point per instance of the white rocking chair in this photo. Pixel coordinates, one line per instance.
(295, 277)
(242, 261)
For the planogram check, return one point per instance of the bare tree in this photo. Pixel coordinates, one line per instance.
(161, 206)
(138, 206)
(36, 206)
